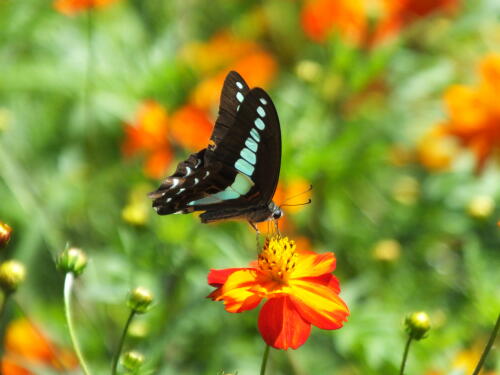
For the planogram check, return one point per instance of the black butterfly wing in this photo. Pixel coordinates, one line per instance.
(253, 147)
(232, 95)
(240, 169)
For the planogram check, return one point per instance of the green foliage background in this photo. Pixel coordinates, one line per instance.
(64, 181)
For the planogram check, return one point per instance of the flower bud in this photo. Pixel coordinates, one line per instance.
(132, 360)
(417, 325)
(5, 231)
(140, 299)
(72, 260)
(12, 273)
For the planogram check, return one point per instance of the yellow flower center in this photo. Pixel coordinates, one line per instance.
(278, 258)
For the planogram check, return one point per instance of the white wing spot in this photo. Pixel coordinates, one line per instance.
(180, 191)
(196, 181)
(188, 171)
(239, 96)
(175, 182)
(206, 174)
(263, 101)
(239, 84)
(261, 111)
(168, 200)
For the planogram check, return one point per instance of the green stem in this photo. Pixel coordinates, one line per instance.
(2, 313)
(405, 355)
(488, 347)
(264, 361)
(68, 287)
(122, 341)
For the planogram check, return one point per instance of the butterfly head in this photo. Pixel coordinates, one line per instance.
(276, 212)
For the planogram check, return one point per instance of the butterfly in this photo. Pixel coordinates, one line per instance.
(235, 176)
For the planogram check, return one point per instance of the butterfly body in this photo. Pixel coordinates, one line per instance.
(235, 177)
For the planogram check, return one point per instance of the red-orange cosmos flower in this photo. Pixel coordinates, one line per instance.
(70, 7)
(26, 346)
(298, 285)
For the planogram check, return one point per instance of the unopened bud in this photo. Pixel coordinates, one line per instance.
(132, 360)
(12, 273)
(72, 260)
(140, 299)
(5, 231)
(417, 325)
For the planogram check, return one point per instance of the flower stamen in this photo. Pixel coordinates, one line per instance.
(278, 258)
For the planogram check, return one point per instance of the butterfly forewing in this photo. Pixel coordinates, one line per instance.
(233, 93)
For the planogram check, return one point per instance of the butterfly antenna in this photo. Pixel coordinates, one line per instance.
(297, 195)
(298, 204)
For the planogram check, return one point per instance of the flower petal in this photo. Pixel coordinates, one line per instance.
(281, 326)
(218, 277)
(327, 280)
(311, 264)
(240, 292)
(319, 304)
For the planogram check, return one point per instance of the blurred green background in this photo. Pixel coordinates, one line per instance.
(354, 104)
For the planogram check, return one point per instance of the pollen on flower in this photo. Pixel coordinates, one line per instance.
(278, 257)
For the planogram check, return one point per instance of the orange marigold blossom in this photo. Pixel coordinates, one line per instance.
(70, 7)
(148, 134)
(25, 345)
(299, 288)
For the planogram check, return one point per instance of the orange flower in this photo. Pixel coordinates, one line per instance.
(70, 7)
(298, 285)
(25, 345)
(352, 19)
(215, 58)
(346, 17)
(149, 135)
(190, 127)
(475, 114)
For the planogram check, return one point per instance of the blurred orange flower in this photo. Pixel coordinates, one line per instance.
(474, 115)
(320, 18)
(298, 285)
(365, 22)
(149, 135)
(25, 345)
(190, 127)
(70, 7)
(225, 52)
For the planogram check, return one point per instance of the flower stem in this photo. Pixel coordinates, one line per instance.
(264, 361)
(3, 308)
(68, 287)
(488, 347)
(405, 355)
(122, 340)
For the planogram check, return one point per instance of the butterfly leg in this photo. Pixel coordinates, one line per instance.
(276, 227)
(257, 234)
